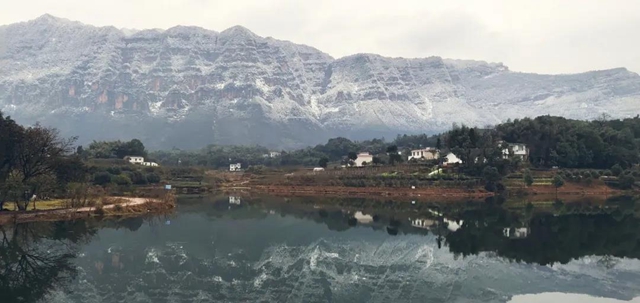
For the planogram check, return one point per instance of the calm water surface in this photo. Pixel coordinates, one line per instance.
(268, 250)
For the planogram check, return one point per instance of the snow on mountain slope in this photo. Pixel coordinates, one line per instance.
(188, 86)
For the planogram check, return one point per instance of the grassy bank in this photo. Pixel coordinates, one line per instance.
(104, 207)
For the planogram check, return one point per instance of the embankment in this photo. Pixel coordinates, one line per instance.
(122, 206)
(342, 191)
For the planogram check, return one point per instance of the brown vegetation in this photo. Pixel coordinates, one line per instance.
(112, 206)
(341, 191)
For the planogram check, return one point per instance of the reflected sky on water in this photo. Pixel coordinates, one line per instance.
(269, 250)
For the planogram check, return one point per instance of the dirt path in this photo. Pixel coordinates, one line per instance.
(132, 202)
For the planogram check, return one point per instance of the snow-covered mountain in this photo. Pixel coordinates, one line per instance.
(188, 86)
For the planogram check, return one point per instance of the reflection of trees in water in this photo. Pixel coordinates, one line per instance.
(577, 229)
(37, 257)
(551, 238)
(574, 231)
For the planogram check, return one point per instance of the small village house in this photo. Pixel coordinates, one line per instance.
(235, 167)
(274, 154)
(363, 158)
(428, 153)
(516, 233)
(362, 218)
(139, 161)
(451, 159)
(422, 223)
(134, 159)
(516, 150)
(234, 200)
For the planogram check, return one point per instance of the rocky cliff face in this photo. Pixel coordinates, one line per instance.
(187, 87)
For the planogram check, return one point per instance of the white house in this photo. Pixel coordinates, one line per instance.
(362, 218)
(149, 164)
(515, 233)
(134, 159)
(452, 159)
(235, 167)
(234, 200)
(274, 154)
(517, 150)
(363, 158)
(453, 225)
(428, 153)
(422, 223)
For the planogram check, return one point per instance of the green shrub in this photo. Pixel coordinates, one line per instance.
(626, 181)
(121, 180)
(102, 178)
(153, 178)
(138, 178)
(114, 170)
(616, 170)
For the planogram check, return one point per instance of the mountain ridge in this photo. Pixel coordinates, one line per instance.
(187, 86)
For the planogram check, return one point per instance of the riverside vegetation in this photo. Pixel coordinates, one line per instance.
(41, 171)
(592, 157)
(565, 155)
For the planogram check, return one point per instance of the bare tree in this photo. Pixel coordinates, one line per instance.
(38, 150)
(36, 156)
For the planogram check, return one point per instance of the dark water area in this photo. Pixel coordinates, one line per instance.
(262, 249)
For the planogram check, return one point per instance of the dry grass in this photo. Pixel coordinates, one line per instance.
(41, 205)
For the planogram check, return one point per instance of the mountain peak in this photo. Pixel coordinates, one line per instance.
(167, 86)
(238, 30)
(50, 19)
(188, 30)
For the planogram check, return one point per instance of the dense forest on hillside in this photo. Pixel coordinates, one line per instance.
(556, 141)
(553, 141)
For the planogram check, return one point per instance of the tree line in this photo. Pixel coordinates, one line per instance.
(113, 149)
(34, 160)
(552, 141)
(557, 141)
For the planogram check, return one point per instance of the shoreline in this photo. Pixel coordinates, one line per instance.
(369, 192)
(134, 207)
(441, 193)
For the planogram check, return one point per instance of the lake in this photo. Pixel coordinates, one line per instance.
(262, 249)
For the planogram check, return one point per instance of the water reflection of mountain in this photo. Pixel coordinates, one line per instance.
(524, 235)
(275, 250)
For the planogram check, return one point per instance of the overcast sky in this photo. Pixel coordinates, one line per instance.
(543, 36)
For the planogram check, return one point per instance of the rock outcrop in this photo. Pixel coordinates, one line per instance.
(188, 87)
